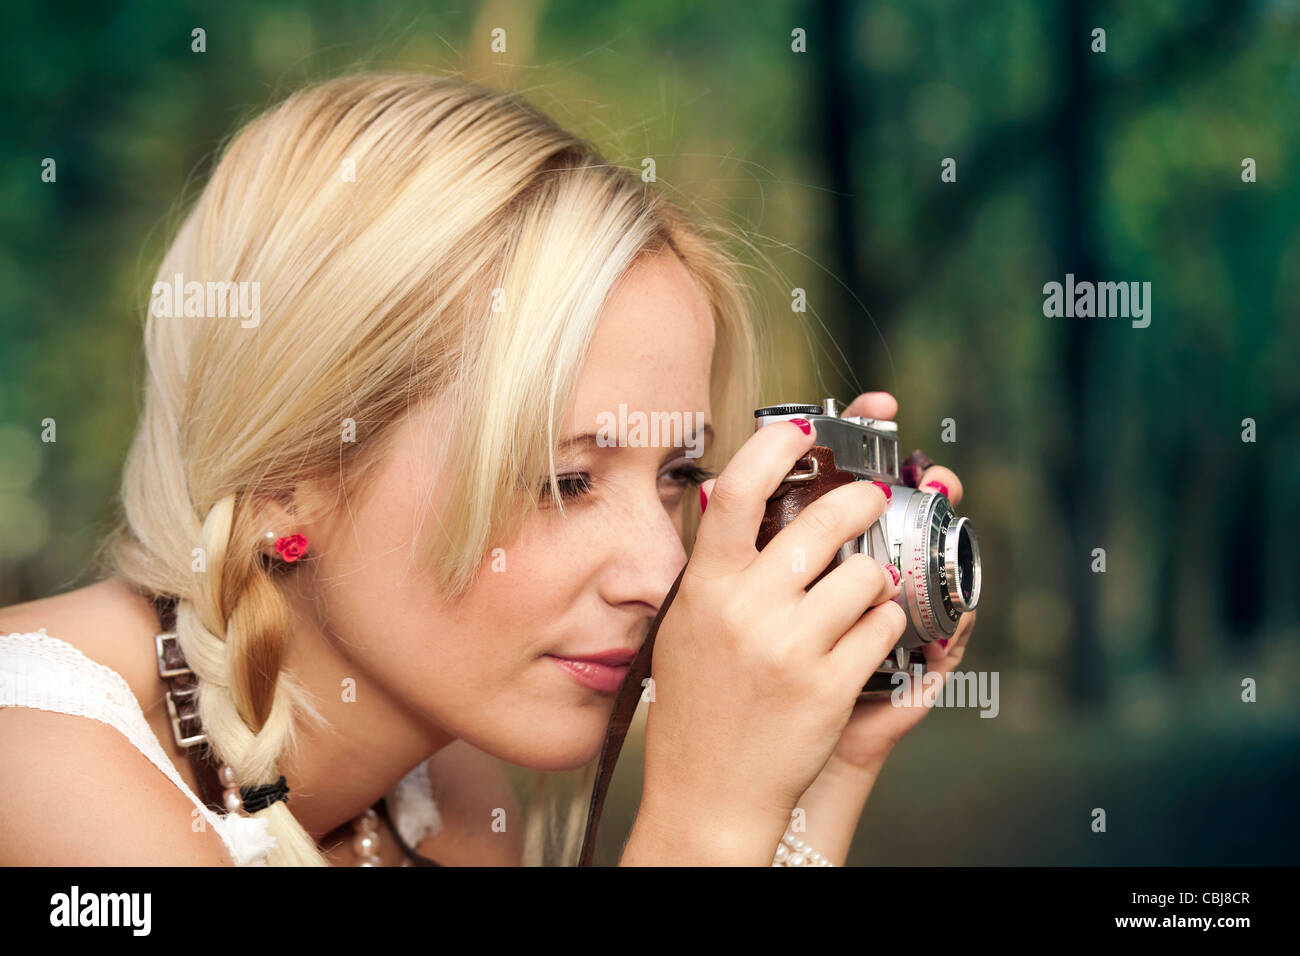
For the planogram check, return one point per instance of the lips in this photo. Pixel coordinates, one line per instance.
(603, 672)
(615, 657)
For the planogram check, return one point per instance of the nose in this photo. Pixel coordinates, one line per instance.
(645, 555)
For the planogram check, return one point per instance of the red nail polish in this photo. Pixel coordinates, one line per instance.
(889, 492)
(942, 642)
(942, 488)
(803, 424)
(704, 501)
(893, 573)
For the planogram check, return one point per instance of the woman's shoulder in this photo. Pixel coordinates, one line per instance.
(105, 621)
(76, 792)
(76, 786)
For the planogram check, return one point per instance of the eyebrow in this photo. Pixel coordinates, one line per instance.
(589, 438)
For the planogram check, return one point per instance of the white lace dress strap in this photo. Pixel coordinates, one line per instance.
(45, 673)
(414, 811)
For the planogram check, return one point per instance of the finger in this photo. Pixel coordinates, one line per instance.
(735, 502)
(837, 601)
(802, 549)
(706, 489)
(859, 653)
(912, 466)
(940, 479)
(873, 405)
(935, 651)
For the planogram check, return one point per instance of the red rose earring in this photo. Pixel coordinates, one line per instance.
(290, 547)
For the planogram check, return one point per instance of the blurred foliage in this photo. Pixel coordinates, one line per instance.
(1119, 690)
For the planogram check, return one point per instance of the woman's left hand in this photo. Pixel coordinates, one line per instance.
(877, 725)
(833, 803)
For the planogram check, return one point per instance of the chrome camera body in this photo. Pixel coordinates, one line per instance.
(935, 550)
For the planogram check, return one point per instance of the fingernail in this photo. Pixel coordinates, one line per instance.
(889, 493)
(943, 489)
(894, 573)
(704, 501)
(803, 424)
(942, 642)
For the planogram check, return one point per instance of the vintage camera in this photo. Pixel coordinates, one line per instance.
(936, 551)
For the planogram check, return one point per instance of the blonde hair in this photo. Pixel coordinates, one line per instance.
(377, 290)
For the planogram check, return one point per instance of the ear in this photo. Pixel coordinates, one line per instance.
(277, 517)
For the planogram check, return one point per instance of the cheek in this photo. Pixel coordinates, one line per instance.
(514, 603)
(526, 595)
(527, 588)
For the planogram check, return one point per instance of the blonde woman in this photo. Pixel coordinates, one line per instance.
(368, 503)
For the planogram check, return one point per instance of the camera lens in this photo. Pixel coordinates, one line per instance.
(962, 565)
(965, 564)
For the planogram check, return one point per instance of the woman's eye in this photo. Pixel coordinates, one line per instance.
(687, 475)
(573, 486)
(674, 480)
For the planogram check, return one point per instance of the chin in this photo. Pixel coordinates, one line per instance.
(570, 745)
(558, 763)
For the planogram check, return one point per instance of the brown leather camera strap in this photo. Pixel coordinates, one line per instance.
(183, 706)
(629, 695)
(784, 506)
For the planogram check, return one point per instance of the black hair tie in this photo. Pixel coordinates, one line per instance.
(259, 798)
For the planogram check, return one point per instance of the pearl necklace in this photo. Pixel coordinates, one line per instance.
(792, 851)
(365, 828)
(365, 838)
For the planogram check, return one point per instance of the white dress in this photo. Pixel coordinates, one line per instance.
(43, 672)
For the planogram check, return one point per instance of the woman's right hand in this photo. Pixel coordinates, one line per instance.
(754, 677)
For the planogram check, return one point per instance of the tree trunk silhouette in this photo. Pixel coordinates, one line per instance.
(836, 114)
(1077, 441)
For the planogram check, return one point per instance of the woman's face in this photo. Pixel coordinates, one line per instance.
(587, 582)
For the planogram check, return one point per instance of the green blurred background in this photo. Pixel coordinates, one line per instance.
(1120, 690)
